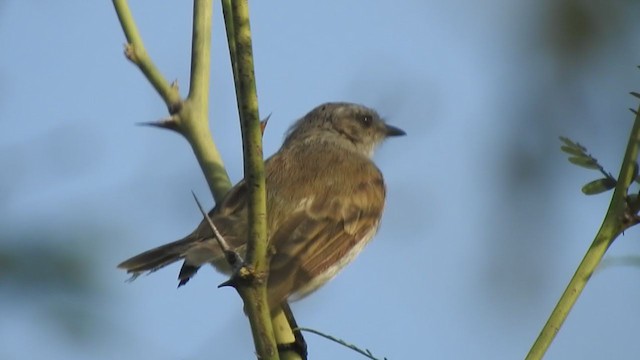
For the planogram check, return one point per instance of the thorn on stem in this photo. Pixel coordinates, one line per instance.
(264, 123)
(168, 123)
(233, 258)
(231, 282)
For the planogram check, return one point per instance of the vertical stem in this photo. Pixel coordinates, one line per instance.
(194, 115)
(201, 53)
(255, 293)
(281, 326)
(251, 139)
(227, 12)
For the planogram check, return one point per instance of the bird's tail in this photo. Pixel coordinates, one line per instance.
(157, 258)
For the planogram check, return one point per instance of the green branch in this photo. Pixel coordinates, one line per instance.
(251, 138)
(227, 12)
(281, 327)
(135, 51)
(194, 115)
(254, 294)
(201, 53)
(189, 117)
(615, 222)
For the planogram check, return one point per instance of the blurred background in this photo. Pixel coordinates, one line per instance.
(485, 221)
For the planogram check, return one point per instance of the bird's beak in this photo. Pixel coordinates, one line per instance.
(394, 131)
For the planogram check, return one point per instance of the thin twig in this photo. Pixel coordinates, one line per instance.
(364, 352)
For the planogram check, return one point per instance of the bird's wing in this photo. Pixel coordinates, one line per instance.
(323, 235)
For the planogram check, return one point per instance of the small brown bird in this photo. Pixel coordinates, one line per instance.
(325, 198)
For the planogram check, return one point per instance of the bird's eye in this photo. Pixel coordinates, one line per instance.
(366, 120)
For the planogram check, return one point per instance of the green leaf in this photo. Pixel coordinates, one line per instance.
(571, 150)
(585, 162)
(598, 186)
(569, 143)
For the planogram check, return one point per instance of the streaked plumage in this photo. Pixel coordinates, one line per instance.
(324, 203)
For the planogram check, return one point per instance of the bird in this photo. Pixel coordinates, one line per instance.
(324, 197)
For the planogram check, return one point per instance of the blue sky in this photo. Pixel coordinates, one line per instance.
(485, 222)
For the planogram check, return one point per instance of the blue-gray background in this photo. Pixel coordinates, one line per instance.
(484, 225)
